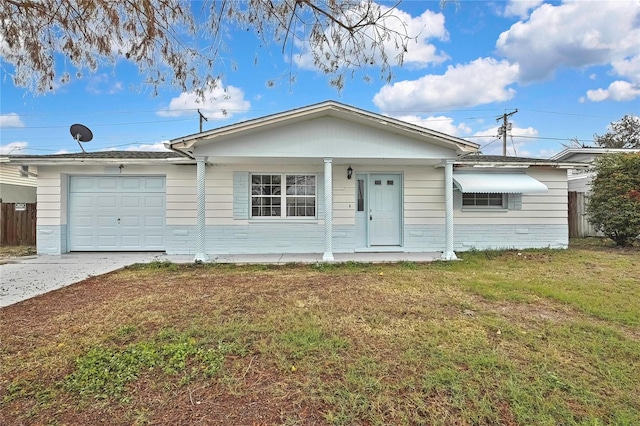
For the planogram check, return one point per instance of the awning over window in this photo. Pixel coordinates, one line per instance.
(500, 183)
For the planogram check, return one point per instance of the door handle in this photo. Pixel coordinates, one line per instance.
(118, 220)
(370, 217)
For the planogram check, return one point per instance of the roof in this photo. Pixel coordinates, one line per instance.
(514, 162)
(129, 157)
(323, 109)
(108, 154)
(591, 152)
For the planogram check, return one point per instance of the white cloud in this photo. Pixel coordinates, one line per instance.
(101, 84)
(159, 146)
(219, 102)
(12, 148)
(521, 8)
(11, 120)
(440, 124)
(420, 53)
(619, 90)
(482, 81)
(628, 68)
(573, 34)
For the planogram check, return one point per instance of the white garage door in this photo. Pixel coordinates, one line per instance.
(116, 213)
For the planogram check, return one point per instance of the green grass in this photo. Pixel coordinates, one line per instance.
(538, 337)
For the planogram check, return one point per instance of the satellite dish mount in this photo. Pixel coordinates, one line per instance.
(81, 133)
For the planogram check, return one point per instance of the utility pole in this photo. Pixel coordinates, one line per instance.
(202, 117)
(502, 130)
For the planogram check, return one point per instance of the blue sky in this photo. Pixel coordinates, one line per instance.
(570, 68)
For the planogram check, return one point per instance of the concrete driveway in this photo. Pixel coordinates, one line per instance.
(25, 277)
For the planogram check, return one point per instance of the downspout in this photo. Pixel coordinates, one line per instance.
(201, 255)
(448, 253)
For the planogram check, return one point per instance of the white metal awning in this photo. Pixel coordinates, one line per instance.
(500, 183)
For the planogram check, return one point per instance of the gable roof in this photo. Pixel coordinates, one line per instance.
(324, 109)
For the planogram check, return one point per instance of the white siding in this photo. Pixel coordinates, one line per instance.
(323, 137)
(10, 174)
(550, 208)
(423, 195)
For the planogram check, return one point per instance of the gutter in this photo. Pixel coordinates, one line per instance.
(100, 161)
(170, 146)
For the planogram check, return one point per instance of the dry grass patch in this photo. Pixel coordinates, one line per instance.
(497, 338)
(10, 252)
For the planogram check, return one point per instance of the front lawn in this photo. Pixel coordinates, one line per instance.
(530, 337)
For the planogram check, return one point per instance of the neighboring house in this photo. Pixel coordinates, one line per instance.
(579, 186)
(327, 178)
(17, 183)
(580, 179)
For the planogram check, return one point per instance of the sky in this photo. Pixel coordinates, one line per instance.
(570, 68)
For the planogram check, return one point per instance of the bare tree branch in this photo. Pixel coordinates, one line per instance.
(166, 40)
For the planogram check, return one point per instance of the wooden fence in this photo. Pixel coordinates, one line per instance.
(18, 224)
(579, 226)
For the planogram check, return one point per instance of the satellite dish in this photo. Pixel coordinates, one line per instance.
(81, 133)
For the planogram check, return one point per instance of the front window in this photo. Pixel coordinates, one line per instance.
(483, 199)
(283, 195)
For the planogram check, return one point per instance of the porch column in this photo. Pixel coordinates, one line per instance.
(448, 253)
(328, 210)
(201, 255)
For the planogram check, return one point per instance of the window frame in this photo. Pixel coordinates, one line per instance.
(504, 202)
(283, 195)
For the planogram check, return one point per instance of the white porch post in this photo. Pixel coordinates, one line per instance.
(201, 255)
(328, 210)
(448, 254)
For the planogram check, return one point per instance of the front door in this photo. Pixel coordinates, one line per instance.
(385, 211)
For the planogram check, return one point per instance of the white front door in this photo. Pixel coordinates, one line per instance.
(116, 213)
(385, 211)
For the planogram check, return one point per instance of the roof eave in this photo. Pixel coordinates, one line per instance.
(97, 161)
(569, 152)
(514, 164)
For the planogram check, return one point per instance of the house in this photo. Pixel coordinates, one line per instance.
(327, 178)
(17, 183)
(579, 186)
(580, 179)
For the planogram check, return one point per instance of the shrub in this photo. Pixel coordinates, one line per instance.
(614, 204)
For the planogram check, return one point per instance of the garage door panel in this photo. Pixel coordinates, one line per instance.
(106, 184)
(82, 184)
(108, 241)
(154, 201)
(115, 213)
(131, 242)
(110, 221)
(153, 221)
(130, 221)
(154, 184)
(131, 183)
(83, 201)
(130, 201)
(154, 241)
(82, 221)
(107, 201)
